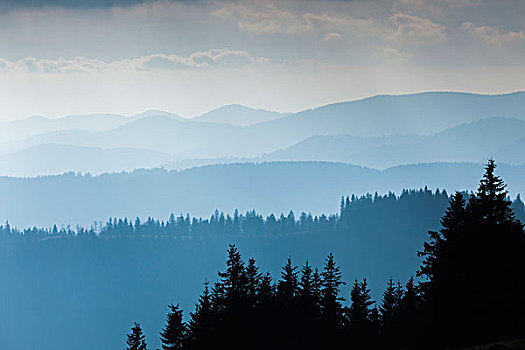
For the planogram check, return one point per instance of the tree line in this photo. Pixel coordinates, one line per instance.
(422, 205)
(468, 290)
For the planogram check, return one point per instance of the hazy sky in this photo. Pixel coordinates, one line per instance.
(63, 57)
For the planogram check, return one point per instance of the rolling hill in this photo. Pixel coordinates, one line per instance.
(471, 142)
(239, 115)
(267, 187)
(48, 159)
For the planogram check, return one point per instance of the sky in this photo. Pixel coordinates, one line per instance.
(62, 57)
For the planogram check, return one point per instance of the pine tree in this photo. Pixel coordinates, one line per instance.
(390, 312)
(317, 283)
(266, 289)
(361, 316)
(472, 267)
(305, 282)
(136, 339)
(173, 334)
(331, 307)
(390, 304)
(201, 324)
(490, 202)
(232, 287)
(253, 280)
(409, 330)
(287, 285)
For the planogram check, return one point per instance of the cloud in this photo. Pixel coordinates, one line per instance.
(266, 18)
(408, 29)
(214, 58)
(332, 36)
(491, 35)
(76, 4)
(392, 55)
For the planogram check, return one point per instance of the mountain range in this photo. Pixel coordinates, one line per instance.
(379, 132)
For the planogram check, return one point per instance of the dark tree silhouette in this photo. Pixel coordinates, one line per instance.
(390, 312)
(362, 318)
(232, 287)
(202, 322)
(332, 310)
(136, 339)
(287, 285)
(473, 268)
(173, 334)
(253, 280)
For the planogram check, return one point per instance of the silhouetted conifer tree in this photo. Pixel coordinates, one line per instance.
(473, 267)
(362, 317)
(331, 308)
(173, 334)
(287, 285)
(390, 310)
(202, 321)
(136, 339)
(232, 286)
(253, 280)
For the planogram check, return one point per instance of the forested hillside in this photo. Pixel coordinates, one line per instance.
(73, 199)
(469, 291)
(144, 262)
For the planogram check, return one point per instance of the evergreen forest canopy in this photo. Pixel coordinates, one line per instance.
(468, 292)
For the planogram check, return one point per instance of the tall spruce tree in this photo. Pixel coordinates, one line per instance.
(266, 289)
(473, 267)
(136, 340)
(202, 321)
(361, 315)
(390, 304)
(232, 287)
(173, 334)
(331, 308)
(253, 280)
(390, 312)
(287, 285)
(305, 282)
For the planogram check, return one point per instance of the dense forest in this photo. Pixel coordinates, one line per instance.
(468, 291)
(372, 236)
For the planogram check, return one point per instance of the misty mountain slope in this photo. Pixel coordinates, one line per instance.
(471, 142)
(512, 153)
(336, 148)
(23, 128)
(267, 187)
(155, 113)
(159, 133)
(425, 113)
(422, 113)
(57, 159)
(238, 115)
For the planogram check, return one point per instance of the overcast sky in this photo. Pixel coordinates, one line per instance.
(64, 57)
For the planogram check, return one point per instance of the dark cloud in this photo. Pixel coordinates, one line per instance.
(76, 4)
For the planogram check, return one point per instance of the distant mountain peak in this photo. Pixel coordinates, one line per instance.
(239, 115)
(156, 113)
